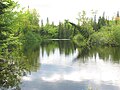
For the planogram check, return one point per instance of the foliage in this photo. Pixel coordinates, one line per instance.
(30, 37)
(16, 28)
(17, 25)
(65, 30)
(49, 31)
(116, 34)
(85, 25)
(6, 18)
(16, 64)
(102, 37)
(79, 40)
(106, 36)
(62, 31)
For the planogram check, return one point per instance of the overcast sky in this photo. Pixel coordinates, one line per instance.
(68, 9)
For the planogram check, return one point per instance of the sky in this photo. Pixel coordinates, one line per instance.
(58, 10)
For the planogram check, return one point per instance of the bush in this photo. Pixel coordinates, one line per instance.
(87, 30)
(116, 34)
(30, 37)
(79, 40)
(102, 38)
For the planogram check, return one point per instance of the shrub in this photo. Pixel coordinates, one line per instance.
(102, 38)
(79, 40)
(116, 34)
(30, 37)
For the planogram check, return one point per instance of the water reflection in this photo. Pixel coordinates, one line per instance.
(65, 66)
(94, 68)
(65, 47)
(104, 53)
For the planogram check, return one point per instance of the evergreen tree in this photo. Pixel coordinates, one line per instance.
(102, 21)
(117, 18)
(42, 23)
(117, 13)
(47, 21)
(95, 24)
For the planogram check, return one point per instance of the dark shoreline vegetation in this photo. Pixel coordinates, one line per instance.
(21, 28)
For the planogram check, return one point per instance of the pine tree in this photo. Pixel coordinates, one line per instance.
(47, 21)
(117, 18)
(95, 24)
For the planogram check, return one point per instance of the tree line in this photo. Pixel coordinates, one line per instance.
(88, 31)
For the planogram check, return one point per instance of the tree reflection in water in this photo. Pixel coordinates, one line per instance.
(67, 47)
(104, 53)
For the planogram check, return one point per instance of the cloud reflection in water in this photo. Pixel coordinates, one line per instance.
(59, 68)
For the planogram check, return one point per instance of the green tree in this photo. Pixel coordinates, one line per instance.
(6, 18)
(48, 31)
(102, 21)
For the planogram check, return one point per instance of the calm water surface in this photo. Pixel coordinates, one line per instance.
(61, 65)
